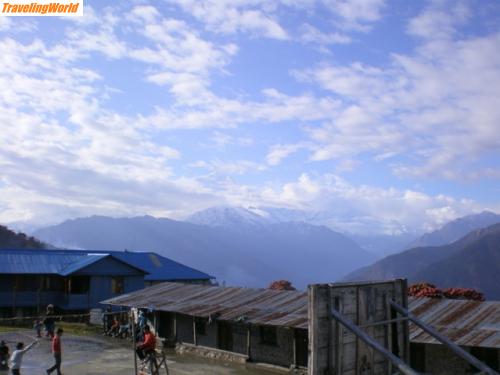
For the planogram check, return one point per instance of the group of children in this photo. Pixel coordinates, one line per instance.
(117, 326)
(146, 339)
(14, 360)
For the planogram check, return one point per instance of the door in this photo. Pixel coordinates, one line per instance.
(225, 336)
(166, 327)
(301, 347)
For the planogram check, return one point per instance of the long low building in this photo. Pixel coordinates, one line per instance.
(270, 326)
(77, 280)
(260, 325)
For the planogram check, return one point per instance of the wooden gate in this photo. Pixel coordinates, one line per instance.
(335, 349)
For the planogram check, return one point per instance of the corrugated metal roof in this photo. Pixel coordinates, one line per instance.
(158, 268)
(257, 306)
(36, 262)
(83, 262)
(467, 323)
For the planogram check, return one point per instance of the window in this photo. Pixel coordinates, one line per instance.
(27, 283)
(117, 285)
(269, 335)
(79, 285)
(52, 283)
(200, 326)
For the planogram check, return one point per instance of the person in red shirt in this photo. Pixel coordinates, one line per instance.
(149, 344)
(56, 350)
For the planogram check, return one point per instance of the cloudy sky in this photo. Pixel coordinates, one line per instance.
(375, 111)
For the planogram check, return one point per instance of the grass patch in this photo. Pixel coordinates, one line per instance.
(78, 329)
(6, 329)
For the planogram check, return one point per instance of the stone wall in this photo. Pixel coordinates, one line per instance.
(441, 360)
(211, 353)
(280, 354)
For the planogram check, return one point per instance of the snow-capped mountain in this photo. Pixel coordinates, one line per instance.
(229, 217)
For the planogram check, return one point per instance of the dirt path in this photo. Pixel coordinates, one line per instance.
(83, 355)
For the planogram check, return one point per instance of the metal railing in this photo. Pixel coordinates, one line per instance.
(396, 361)
(399, 364)
(445, 341)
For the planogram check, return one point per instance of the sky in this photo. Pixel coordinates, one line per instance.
(382, 114)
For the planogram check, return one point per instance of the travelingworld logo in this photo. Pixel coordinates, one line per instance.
(41, 8)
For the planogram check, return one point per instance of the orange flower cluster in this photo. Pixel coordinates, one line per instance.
(431, 291)
(281, 285)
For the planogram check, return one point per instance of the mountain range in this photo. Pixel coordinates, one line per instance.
(473, 261)
(456, 229)
(254, 246)
(234, 245)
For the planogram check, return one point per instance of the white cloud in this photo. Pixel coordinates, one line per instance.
(76, 156)
(228, 168)
(211, 111)
(310, 34)
(430, 112)
(5, 23)
(439, 20)
(231, 17)
(183, 60)
(279, 152)
(364, 209)
(221, 140)
(357, 15)
(436, 107)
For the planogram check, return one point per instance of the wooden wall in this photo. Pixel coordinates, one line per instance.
(335, 350)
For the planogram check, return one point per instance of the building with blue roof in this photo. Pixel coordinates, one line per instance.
(76, 280)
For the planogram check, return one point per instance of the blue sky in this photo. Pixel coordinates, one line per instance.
(384, 114)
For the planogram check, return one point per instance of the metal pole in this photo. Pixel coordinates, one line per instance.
(398, 362)
(446, 341)
(133, 342)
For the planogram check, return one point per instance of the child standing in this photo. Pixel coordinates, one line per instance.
(17, 357)
(38, 328)
(56, 351)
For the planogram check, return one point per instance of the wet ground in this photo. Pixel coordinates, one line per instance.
(83, 355)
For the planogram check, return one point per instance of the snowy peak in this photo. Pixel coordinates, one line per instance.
(228, 217)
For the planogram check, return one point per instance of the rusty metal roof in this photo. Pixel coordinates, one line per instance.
(467, 323)
(257, 306)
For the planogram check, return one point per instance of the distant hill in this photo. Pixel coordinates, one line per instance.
(475, 266)
(383, 244)
(456, 229)
(13, 240)
(244, 254)
(472, 261)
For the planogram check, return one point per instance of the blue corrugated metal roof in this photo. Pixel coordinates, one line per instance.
(83, 262)
(65, 262)
(161, 268)
(35, 262)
